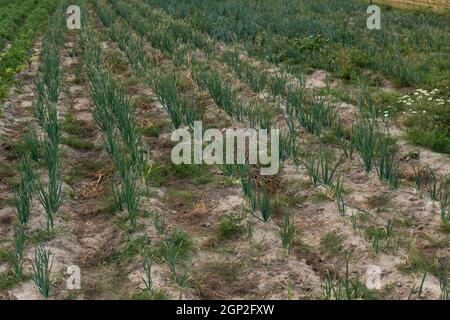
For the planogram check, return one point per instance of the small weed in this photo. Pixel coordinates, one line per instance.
(230, 227)
(332, 243)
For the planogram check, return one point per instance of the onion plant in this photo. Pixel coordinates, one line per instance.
(389, 228)
(42, 265)
(258, 115)
(19, 247)
(433, 186)
(131, 45)
(287, 232)
(232, 59)
(246, 181)
(50, 195)
(365, 139)
(354, 221)
(422, 283)
(256, 79)
(24, 192)
(160, 223)
(278, 85)
(227, 169)
(148, 282)
(199, 74)
(258, 199)
(344, 287)
(131, 196)
(222, 94)
(339, 195)
(418, 178)
(413, 288)
(128, 194)
(33, 145)
(181, 56)
(376, 239)
(388, 166)
(443, 284)
(288, 148)
(320, 168)
(191, 111)
(315, 115)
(172, 258)
(348, 148)
(264, 204)
(166, 90)
(444, 204)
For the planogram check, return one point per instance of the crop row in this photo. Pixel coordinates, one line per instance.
(14, 59)
(323, 34)
(41, 150)
(116, 120)
(11, 18)
(376, 149)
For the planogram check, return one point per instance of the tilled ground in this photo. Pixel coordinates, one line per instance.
(91, 235)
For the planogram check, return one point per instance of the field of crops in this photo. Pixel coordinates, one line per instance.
(93, 206)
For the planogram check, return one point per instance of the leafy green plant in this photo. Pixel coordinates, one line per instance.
(15, 58)
(427, 118)
(182, 241)
(230, 226)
